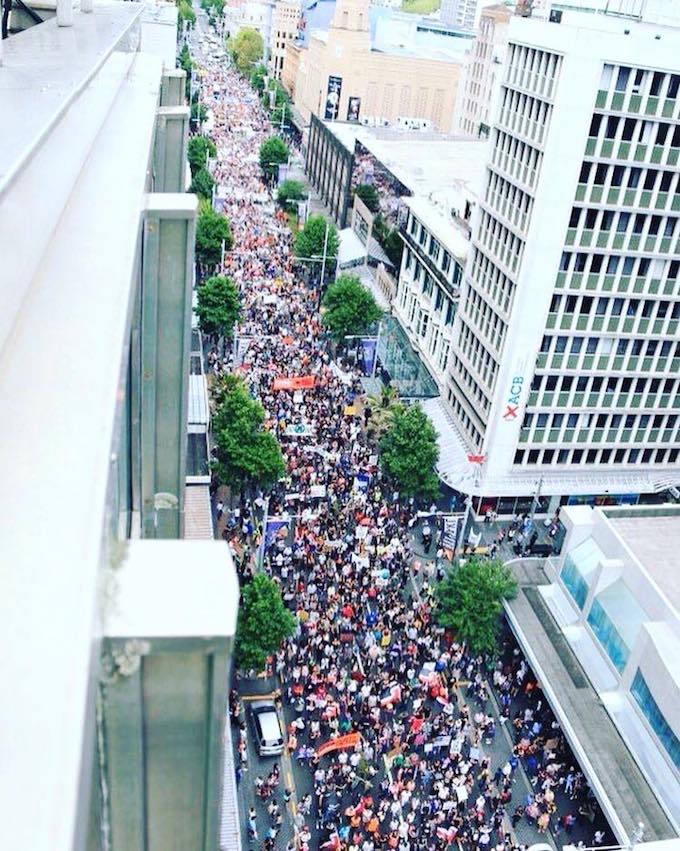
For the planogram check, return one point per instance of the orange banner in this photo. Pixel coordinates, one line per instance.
(351, 740)
(296, 382)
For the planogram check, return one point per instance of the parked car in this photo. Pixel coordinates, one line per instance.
(267, 727)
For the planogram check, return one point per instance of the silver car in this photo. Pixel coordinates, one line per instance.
(267, 727)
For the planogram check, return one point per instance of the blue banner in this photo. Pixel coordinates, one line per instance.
(274, 526)
(369, 346)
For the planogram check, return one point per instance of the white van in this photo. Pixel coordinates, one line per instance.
(268, 735)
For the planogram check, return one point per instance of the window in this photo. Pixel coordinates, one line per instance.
(576, 345)
(617, 306)
(650, 709)
(655, 88)
(628, 129)
(606, 77)
(560, 344)
(572, 420)
(622, 224)
(601, 307)
(585, 172)
(616, 617)
(612, 264)
(581, 384)
(595, 125)
(570, 304)
(673, 86)
(622, 79)
(612, 125)
(607, 220)
(578, 568)
(591, 346)
(600, 174)
(587, 301)
(634, 178)
(541, 421)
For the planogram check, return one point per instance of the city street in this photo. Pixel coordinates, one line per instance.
(426, 747)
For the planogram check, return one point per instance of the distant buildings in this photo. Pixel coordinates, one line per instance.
(284, 28)
(358, 71)
(459, 13)
(481, 80)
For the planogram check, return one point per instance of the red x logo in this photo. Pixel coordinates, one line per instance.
(510, 412)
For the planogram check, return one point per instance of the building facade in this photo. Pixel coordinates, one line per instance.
(459, 13)
(435, 237)
(564, 372)
(479, 90)
(341, 78)
(118, 705)
(284, 29)
(615, 597)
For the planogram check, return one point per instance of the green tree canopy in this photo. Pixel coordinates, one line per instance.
(273, 151)
(246, 49)
(263, 623)
(381, 408)
(350, 307)
(369, 195)
(199, 149)
(218, 307)
(409, 451)
(199, 112)
(389, 239)
(470, 601)
(309, 242)
(211, 229)
(186, 13)
(246, 453)
(290, 192)
(257, 76)
(202, 184)
(185, 62)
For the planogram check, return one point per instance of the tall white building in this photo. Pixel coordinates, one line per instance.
(459, 13)
(564, 376)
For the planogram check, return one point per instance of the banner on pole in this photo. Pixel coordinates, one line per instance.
(277, 527)
(369, 346)
(453, 531)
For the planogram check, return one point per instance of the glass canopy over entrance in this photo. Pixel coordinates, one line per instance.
(401, 364)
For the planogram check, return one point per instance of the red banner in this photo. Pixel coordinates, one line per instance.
(476, 459)
(351, 740)
(296, 382)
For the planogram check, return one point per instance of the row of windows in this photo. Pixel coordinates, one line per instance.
(650, 709)
(479, 357)
(463, 419)
(605, 422)
(431, 246)
(608, 175)
(520, 160)
(616, 264)
(509, 201)
(533, 69)
(475, 395)
(485, 319)
(594, 386)
(643, 224)
(608, 345)
(585, 305)
(636, 130)
(500, 241)
(596, 456)
(489, 279)
(524, 115)
(638, 81)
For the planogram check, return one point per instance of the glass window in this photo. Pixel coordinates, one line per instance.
(634, 178)
(576, 345)
(622, 79)
(578, 568)
(560, 344)
(591, 346)
(616, 617)
(655, 87)
(650, 709)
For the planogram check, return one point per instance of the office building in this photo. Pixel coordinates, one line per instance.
(564, 374)
(117, 644)
(436, 233)
(459, 13)
(481, 81)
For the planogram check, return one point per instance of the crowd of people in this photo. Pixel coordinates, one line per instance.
(367, 661)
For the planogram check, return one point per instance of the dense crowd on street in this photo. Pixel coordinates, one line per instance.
(367, 657)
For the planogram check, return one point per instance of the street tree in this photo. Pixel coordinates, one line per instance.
(470, 601)
(246, 49)
(218, 307)
(199, 112)
(409, 451)
(369, 195)
(309, 242)
(257, 77)
(202, 184)
(381, 407)
(389, 239)
(198, 151)
(290, 192)
(211, 230)
(186, 13)
(349, 307)
(246, 454)
(273, 152)
(185, 62)
(264, 623)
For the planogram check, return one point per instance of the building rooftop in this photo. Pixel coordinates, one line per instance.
(437, 218)
(615, 778)
(424, 162)
(655, 542)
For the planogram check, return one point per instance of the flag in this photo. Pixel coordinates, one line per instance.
(476, 459)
